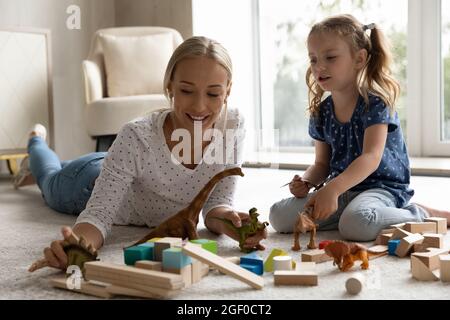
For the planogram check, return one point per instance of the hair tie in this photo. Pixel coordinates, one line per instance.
(369, 26)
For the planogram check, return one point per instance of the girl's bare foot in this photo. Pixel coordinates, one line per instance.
(436, 213)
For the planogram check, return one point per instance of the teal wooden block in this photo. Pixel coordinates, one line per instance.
(255, 260)
(173, 258)
(257, 269)
(207, 244)
(136, 253)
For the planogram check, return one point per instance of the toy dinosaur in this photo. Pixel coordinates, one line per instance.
(184, 223)
(304, 224)
(246, 230)
(78, 252)
(345, 254)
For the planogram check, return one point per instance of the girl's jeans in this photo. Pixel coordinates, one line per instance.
(67, 186)
(360, 216)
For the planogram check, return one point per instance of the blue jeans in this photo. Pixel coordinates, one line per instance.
(66, 186)
(360, 216)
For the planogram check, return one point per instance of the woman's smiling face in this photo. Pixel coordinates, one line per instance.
(199, 88)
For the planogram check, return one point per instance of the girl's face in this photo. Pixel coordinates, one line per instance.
(333, 64)
(199, 88)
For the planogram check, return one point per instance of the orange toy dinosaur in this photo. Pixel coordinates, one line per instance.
(346, 253)
(304, 224)
(184, 223)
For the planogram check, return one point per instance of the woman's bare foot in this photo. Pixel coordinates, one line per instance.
(436, 213)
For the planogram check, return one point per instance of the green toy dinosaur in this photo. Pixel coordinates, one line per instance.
(247, 230)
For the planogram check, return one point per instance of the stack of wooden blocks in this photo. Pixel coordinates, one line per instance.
(424, 242)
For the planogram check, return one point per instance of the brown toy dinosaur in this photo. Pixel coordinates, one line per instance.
(184, 223)
(346, 253)
(304, 224)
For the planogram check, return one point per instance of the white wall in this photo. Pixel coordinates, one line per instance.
(175, 14)
(69, 48)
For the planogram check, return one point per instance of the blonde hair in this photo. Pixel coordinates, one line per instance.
(375, 77)
(199, 46)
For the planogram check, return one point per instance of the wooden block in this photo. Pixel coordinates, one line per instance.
(205, 269)
(383, 239)
(223, 265)
(154, 291)
(420, 227)
(420, 271)
(207, 244)
(398, 225)
(433, 240)
(123, 291)
(292, 278)
(282, 263)
(430, 258)
(378, 249)
(149, 265)
(355, 283)
(185, 272)
(136, 253)
(441, 224)
(85, 287)
(165, 243)
(315, 255)
(140, 276)
(400, 234)
(173, 258)
(444, 261)
(197, 271)
(406, 244)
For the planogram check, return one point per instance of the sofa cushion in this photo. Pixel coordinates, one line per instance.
(135, 65)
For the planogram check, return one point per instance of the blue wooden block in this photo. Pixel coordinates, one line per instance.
(392, 246)
(257, 269)
(136, 253)
(173, 258)
(253, 259)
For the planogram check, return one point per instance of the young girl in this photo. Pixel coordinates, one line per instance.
(143, 181)
(359, 147)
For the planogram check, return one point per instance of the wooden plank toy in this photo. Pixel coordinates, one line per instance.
(420, 227)
(185, 272)
(406, 244)
(223, 265)
(445, 267)
(303, 275)
(149, 265)
(430, 258)
(383, 238)
(441, 224)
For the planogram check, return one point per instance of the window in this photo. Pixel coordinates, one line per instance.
(283, 28)
(446, 68)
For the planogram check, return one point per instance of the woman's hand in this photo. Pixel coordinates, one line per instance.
(298, 187)
(55, 255)
(237, 219)
(324, 203)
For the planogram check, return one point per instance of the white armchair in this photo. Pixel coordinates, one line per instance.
(119, 83)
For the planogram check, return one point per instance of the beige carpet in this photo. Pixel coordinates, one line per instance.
(27, 225)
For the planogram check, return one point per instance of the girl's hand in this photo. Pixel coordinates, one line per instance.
(237, 219)
(55, 255)
(298, 187)
(324, 203)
